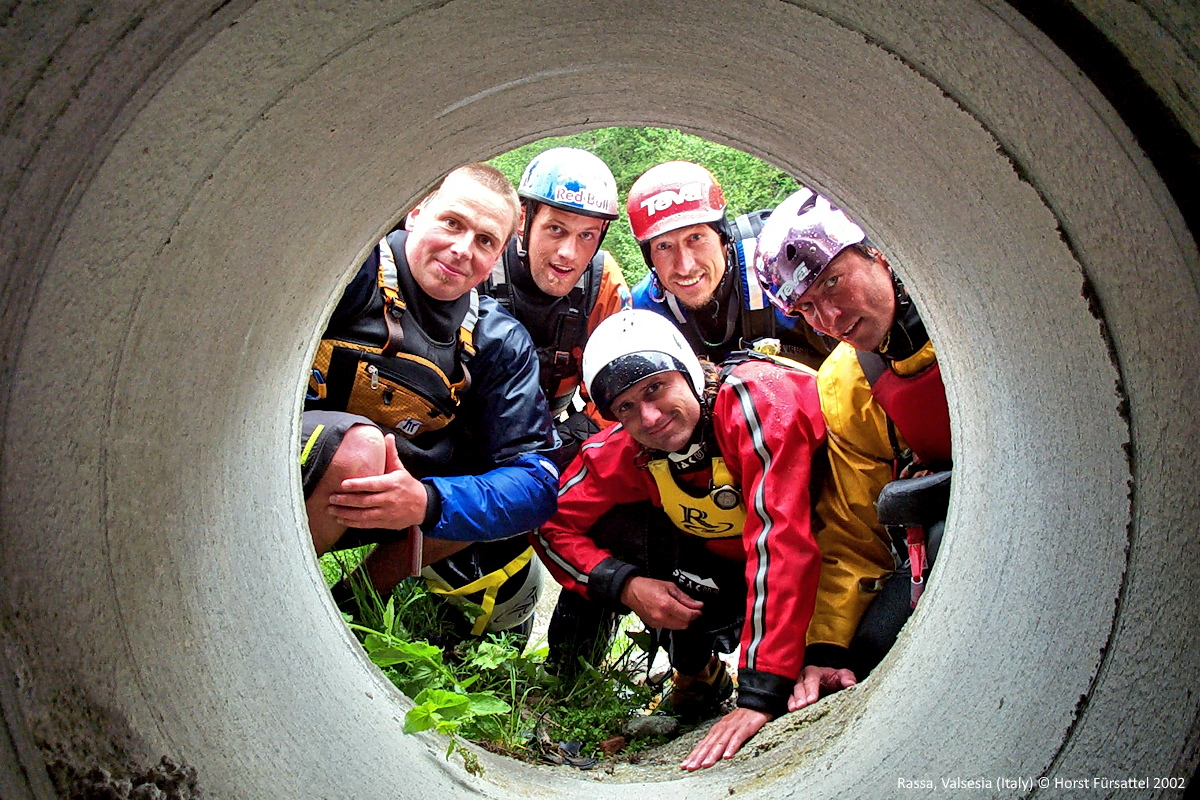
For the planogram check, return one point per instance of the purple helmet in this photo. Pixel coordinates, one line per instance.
(797, 242)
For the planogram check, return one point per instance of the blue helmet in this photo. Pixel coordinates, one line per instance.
(573, 180)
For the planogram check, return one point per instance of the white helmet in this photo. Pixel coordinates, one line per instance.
(632, 345)
(573, 180)
(496, 583)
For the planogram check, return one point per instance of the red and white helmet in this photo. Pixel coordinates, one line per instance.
(673, 195)
(802, 235)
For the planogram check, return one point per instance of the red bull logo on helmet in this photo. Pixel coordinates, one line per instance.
(688, 193)
(584, 198)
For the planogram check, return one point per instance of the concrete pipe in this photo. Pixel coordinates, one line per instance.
(187, 183)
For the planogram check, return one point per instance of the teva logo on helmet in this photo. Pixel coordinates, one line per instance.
(585, 198)
(798, 275)
(688, 193)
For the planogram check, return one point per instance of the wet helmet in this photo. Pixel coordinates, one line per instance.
(673, 195)
(797, 242)
(496, 583)
(632, 345)
(573, 180)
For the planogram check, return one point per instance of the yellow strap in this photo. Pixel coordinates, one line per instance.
(466, 333)
(308, 445)
(784, 361)
(387, 278)
(721, 476)
(698, 516)
(490, 584)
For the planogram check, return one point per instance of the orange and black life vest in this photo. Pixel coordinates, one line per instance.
(387, 369)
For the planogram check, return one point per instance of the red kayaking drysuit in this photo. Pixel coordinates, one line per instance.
(768, 425)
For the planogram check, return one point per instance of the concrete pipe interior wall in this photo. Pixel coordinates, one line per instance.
(186, 184)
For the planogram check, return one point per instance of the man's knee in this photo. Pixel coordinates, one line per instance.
(360, 454)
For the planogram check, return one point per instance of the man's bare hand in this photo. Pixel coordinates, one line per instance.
(817, 681)
(393, 500)
(725, 738)
(660, 604)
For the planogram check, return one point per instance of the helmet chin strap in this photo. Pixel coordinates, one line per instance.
(604, 223)
(696, 450)
(530, 207)
(907, 334)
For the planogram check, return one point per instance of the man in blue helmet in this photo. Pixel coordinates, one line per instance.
(423, 409)
(555, 279)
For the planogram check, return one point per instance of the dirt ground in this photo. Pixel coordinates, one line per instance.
(662, 763)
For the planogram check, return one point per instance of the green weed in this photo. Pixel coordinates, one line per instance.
(484, 689)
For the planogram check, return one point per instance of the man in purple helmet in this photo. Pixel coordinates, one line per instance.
(885, 408)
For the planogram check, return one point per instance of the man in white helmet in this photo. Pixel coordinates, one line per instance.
(555, 279)
(885, 407)
(721, 553)
(701, 267)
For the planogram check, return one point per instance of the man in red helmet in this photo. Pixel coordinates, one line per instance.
(885, 408)
(701, 267)
(717, 462)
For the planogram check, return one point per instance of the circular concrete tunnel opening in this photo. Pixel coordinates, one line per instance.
(188, 189)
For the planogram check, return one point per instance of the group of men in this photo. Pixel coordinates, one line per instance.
(490, 397)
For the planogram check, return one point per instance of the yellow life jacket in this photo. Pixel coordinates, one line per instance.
(394, 386)
(718, 514)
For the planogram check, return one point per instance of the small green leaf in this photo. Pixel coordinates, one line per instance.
(389, 615)
(486, 703)
(490, 655)
(641, 639)
(448, 704)
(421, 718)
(405, 653)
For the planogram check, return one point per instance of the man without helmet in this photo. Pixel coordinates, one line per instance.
(423, 407)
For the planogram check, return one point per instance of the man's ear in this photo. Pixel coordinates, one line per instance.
(521, 225)
(411, 215)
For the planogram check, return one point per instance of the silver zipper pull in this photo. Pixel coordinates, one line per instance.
(373, 371)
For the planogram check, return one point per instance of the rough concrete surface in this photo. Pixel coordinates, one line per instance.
(185, 185)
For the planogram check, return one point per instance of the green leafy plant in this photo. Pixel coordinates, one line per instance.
(417, 668)
(486, 689)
